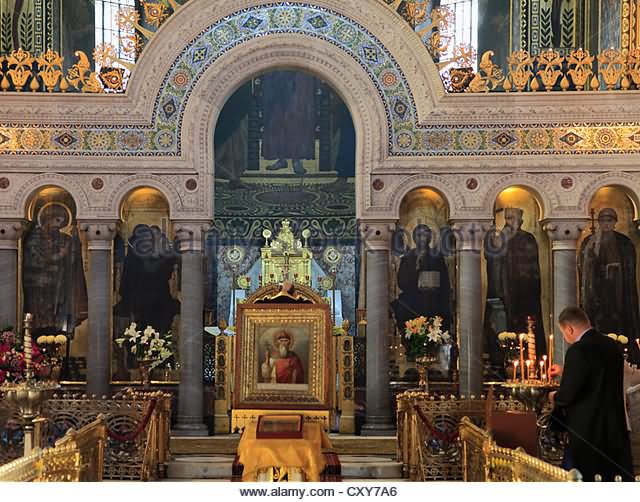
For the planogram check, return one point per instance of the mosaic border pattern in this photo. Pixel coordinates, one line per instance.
(406, 137)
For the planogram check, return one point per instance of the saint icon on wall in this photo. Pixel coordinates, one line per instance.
(513, 279)
(53, 279)
(607, 264)
(423, 280)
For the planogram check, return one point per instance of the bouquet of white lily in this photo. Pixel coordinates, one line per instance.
(147, 345)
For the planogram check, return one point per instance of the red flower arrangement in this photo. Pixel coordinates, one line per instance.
(12, 363)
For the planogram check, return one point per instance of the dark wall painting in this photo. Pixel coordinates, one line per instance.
(516, 274)
(423, 282)
(54, 288)
(608, 272)
(145, 286)
(284, 149)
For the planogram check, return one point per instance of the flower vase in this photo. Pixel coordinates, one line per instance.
(423, 363)
(144, 366)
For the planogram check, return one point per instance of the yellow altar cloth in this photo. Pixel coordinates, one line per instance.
(306, 453)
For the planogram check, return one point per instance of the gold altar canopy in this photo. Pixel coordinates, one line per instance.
(285, 355)
(286, 258)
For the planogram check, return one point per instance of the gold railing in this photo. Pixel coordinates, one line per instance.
(549, 71)
(78, 456)
(11, 435)
(138, 427)
(428, 443)
(484, 460)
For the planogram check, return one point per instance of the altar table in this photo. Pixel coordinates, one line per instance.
(305, 454)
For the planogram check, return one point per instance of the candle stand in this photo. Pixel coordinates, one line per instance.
(28, 395)
(533, 394)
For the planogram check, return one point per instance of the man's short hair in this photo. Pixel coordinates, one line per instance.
(573, 315)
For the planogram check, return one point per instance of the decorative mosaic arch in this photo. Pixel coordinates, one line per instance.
(407, 137)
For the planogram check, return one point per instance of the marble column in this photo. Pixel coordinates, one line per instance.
(564, 235)
(99, 235)
(190, 244)
(376, 237)
(469, 236)
(10, 233)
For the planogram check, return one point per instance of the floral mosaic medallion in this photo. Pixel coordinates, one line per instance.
(223, 35)
(389, 79)
(132, 140)
(31, 139)
(404, 140)
(164, 140)
(285, 18)
(100, 140)
(181, 79)
(437, 140)
(538, 139)
(605, 139)
(346, 33)
(469, 140)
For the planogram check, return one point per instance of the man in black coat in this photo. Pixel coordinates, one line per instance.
(590, 401)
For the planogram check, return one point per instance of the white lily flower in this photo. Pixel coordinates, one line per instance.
(433, 337)
(149, 331)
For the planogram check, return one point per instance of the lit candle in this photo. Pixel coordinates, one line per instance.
(545, 367)
(542, 370)
(515, 370)
(528, 369)
(522, 356)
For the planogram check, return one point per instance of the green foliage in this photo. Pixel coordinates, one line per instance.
(6, 41)
(26, 31)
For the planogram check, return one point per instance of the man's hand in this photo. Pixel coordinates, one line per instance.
(552, 398)
(555, 370)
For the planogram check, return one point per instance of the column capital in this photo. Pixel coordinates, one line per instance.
(564, 233)
(190, 235)
(376, 235)
(99, 234)
(10, 233)
(470, 233)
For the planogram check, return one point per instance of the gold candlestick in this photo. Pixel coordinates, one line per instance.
(550, 354)
(522, 357)
(531, 338)
(515, 371)
(28, 350)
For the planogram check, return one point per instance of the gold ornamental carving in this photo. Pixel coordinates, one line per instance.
(580, 64)
(489, 76)
(550, 68)
(611, 67)
(520, 70)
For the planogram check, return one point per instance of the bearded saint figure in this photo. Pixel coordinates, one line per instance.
(282, 365)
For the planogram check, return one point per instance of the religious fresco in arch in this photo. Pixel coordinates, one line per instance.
(607, 267)
(284, 149)
(516, 275)
(54, 287)
(145, 280)
(423, 274)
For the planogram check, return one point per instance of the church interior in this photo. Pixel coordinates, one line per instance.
(319, 240)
